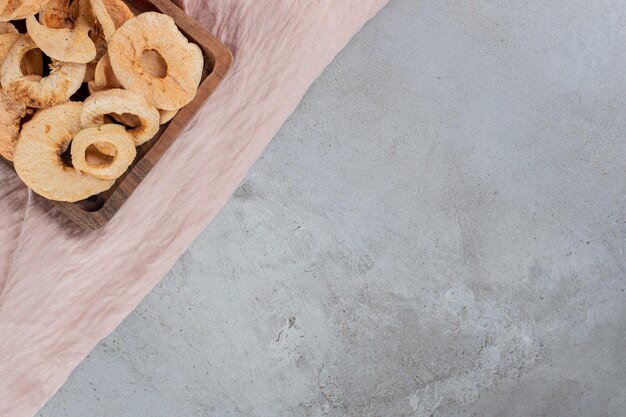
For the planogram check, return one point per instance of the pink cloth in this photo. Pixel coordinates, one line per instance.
(65, 289)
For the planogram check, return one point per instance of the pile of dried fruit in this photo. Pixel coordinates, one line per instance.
(138, 70)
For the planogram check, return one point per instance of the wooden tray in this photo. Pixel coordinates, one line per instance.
(96, 211)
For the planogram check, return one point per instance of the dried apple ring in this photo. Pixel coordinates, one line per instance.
(158, 32)
(61, 14)
(64, 79)
(122, 102)
(37, 158)
(11, 113)
(104, 79)
(104, 137)
(65, 44)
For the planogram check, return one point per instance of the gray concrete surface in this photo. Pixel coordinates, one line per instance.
(439, 230)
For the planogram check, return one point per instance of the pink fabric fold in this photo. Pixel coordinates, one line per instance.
(65, 289)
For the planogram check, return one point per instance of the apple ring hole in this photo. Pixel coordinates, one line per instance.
(32, 63)
(97, 157)
(153, 63)
(130, 121)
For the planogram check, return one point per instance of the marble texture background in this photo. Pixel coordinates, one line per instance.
(439, 230)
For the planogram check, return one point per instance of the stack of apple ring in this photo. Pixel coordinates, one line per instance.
(139, 71)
